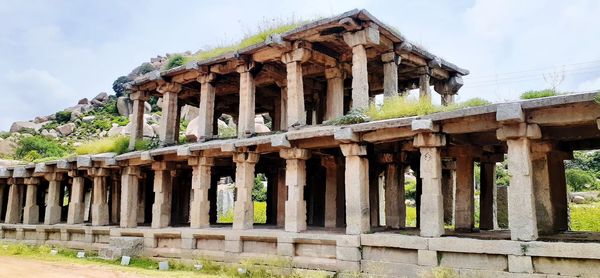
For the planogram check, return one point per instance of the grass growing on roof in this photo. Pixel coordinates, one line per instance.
(250, 39)
(118, 144)
(538, 94)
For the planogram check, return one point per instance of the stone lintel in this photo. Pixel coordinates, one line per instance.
(353, 149)
(184, 151)
(391, 57)
(31, 181)
(138, 95)
(169, 87)
(510, 113)
(163, 166)
(21, 172)
(245, 157)
(429, 140)
(5, 173)
(300, 55)
(41, 168)
(424, 125)
(54, 176)
(295, 153)
(346, 135)
(245, 67)
(280, 141)
(519, 130)
(387, 158)
(206, 78)
(84, 161)
(146, 156)
(334, 72)
(367, 36)
(63, 164)
(131, 171)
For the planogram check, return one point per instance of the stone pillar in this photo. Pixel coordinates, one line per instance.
(296, 115)
(295, 180)
(541, 185)
(53, 207)
(395, 207)
(168, 121)
(331, 182)
(281, 197)
(31, 211)
(447, 99)
(448, 186)
(207, 106)
(247, 101)
(558, 189)
(335, 93)
(464, 206)
(448, 89)
(163, 194)
(432, 204)
(424, 86)
(283, 104)
(77, 203)
(100, 215)
(130, 179)
(360, 77)
(13, 207)
(356, 189)
(243, 212)
(390, 74)
(201, 183)
(137, 123)
(115, 209)
(487, 196)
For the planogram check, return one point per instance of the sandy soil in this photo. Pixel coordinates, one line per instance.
(28, 268)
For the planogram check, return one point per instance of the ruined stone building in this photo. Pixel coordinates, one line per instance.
(325, 205)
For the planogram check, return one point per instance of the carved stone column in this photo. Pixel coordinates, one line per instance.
(201, 183)
(247, 101)
(76, 204)
(295, 180)
(14, 206)
(53, 208)
(295, 86)
(395, 206)
(330, 164)
(170, 113)
(357, 189)
(207, 106)
(130, 177)
(163, 194)
(100, 214)
(360, 76)
(335, 93)
(390, 74)
(243, 213)
(31, 211)
(137, 123)
(464, 207)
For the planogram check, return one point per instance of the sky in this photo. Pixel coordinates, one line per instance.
(53, 53)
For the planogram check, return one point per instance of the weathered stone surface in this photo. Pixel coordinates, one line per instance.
(66, 129)
(520, 264)
(510, 112)
(189, 112)
(20, 126)
(7, 147)
(124, 106)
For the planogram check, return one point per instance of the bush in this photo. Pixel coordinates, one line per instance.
(353, 117)
(4, 134)
(36, 147)
(473, 102)
(259, 191)
(597, 98)
(147, 144)
(175, 61)
(580, 180)
(63, 117)
(399, 107)
(410, 189)
(538, 94)
(119, 85)
(118, 145)
(145, 68)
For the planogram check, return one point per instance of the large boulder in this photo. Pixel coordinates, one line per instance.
(259, 125)
(50, 133)
(189, 112)
(100, 99)
(7, 147)
(83, 101)
(41, 119)
(22, 125)
(124, 106)
(66, 129)
(115, 130)
(191, 132)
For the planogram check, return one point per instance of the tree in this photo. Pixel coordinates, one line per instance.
(119, 85)
(259, 190)
(580, 180)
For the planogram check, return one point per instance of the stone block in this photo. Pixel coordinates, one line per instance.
(84, 161)
(427, 257)
(21, 172)
(510, 112)
(146, 156)
(184, 151)
(280, 141)
(346, 135)
(285, 249)
(348, 253)
(520, 264)
(164, 265)
(5, 173)
(423, 125)
(227, 147)
(348, 266)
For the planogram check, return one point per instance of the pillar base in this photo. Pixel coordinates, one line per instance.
(76, 213)
(31, 215)
(52, 215)
(100, 215)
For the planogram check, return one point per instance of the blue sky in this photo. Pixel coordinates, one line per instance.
(53, 53)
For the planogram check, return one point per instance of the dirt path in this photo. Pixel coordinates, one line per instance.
(29, 268)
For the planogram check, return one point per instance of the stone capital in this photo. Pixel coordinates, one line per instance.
(138, 95)
(542, 147)
(31, 181)
(519, 130)
(245, 157)
(429, 140)
(131, 171)
(206, 78)
(353, 149)
(334, 72)
(55, 176)
(391, 57)
(297, 55)
(245, 67)
(169, 87)
(369, 35)
(163, 166)
(295, 153)
(98, 172)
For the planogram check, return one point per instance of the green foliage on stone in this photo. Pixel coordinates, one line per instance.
(597, 98)
(175, 61)
(36, 147)
(63, 117)
(353, 117)
(118, 145)
(538, 94)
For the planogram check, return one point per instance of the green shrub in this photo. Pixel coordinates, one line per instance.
(597, 98)
(260, 214)
(119, 85)
(410, 189)
(473, 102)
(259, 191)
(399, 107)
(353, 117)
(145, 68)
(36, 147)
(118, 145)
(147, 144)
(585, 217)
(50, 126)
(580, 180)
(63, 117)
(175, 61)
(538, 94)
(4, 134)
(120, 120)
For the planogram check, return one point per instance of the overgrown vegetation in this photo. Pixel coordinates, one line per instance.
(249, 39)
(260, 214)
(353, 117)
(538, 94)
(147, 144)
(36, 147)
(118, 145)
(583, 171)
(585, 217)
(119, 85)
(63, 117)
(259, 190)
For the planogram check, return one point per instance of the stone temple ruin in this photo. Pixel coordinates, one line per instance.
(335, 194)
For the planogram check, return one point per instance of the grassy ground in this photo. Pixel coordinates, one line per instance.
(260, 214)
(149, 267)
(585, 217)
